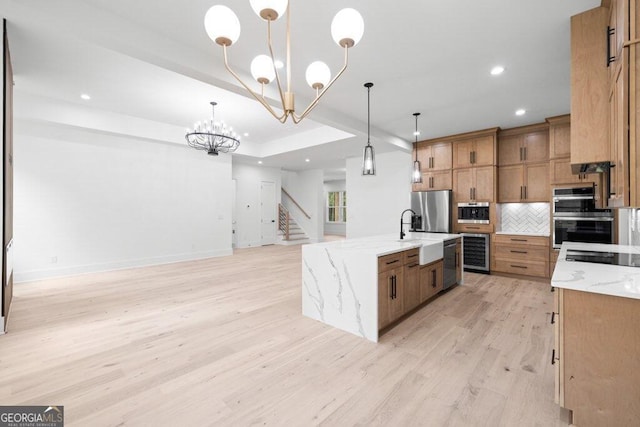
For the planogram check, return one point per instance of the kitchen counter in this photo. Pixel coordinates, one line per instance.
(597, 278)
(340, 278)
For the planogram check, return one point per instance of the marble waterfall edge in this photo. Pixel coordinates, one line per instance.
(339, 288)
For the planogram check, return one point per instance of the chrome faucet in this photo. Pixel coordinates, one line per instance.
(402, 234)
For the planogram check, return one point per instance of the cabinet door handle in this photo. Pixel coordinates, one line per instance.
(472, 228)
(521, 192)
(525, 192)
(524, 149)
(391, 287)
(520, 153)
(457, 261)
(413, 265)
(519, 266)
(553, 317)
(391, 262)
(553, 356)
(519, 240)
(412, 256)
(475, 157)
(610, 58)
(519, 252)
(471, 193)
(433, 281)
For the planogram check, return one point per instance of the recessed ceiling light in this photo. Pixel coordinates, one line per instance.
(246, 134)
(85, 97)
(259, 162)
(497, 70)
(520, 112)
(278, 64)
(307, 160)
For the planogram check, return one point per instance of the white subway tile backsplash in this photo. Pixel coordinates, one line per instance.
(525, 217)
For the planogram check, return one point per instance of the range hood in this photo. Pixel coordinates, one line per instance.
(595, 167)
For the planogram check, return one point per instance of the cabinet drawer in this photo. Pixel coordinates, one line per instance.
(511, 239)
(412, 256)
(522, 253)
(474, 228)
(528, 268)
(388, 262)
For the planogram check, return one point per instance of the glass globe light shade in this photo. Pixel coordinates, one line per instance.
(222, 25)
(416, 175)
(318, 74)
(262, 69)
(269, 10)
(347, 27)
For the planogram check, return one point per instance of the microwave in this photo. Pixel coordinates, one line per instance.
(473, 213)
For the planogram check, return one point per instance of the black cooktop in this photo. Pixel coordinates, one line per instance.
(611, 258)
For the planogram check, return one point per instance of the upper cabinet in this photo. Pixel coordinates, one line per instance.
(479, 151)
(434, 156)
(559, 136)
(527, 144)
(589, 89)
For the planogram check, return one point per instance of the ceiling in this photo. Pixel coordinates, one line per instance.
(153, 60)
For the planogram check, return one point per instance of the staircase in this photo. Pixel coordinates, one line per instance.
(289, 230)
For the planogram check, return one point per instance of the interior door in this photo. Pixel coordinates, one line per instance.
(268, 212)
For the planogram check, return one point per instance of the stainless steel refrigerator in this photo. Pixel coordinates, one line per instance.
(434, 210)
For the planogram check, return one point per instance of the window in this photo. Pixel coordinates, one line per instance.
(337, 206)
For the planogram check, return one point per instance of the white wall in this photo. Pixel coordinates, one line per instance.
(306, 187)
(376, 202)
(86, 201)
(247, 213)
(339, 229)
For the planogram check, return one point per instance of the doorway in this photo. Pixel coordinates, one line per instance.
(268, 212)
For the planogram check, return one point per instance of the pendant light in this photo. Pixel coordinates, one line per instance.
(368, 158)
(416, 176)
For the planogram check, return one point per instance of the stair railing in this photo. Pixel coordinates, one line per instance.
(283, 221)
(295, 203)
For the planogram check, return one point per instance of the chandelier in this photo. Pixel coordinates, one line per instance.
(214, 137)
(223, 27)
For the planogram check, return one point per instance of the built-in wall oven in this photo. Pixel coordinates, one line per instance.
(473, 213)
(576, 219)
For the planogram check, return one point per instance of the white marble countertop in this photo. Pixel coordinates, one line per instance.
(597, 278)
(523, 233)
(386, 244)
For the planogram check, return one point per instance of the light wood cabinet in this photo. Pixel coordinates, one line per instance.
(560, 173)
(589, 88)
(634, 107)
(524, 255)
(559, 136)
(528, 144)
(473, 152)
(436, 180)
(390, 296)
(434, 156)
(523, 183)
(619, 137)
(473, 228)
(431, 280)
(474, 184)
(411, 292)
(596, 356)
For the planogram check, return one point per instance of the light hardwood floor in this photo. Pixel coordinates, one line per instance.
(222, 342)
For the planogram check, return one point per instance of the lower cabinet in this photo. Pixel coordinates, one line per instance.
(459, 261)
(411, 291)
(431, 280)
(403, 284)
(595, 356)
(516, 254)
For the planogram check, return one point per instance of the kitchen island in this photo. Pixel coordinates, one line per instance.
(340, 279)
(597, 344)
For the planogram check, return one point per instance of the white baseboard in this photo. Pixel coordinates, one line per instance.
(30, 276)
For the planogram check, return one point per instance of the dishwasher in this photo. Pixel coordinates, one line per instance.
(450, 263)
